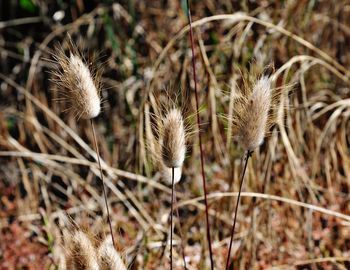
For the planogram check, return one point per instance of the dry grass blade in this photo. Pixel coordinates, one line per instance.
(239, 16)
(311, 261)
(20, 21)
(219, 195)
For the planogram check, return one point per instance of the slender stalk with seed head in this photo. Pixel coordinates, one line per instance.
(252, 120)
(199, 136)
(82, 93)
(173, 149)
(171, 175)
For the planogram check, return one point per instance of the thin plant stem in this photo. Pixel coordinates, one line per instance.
(180, 231)
(249, 153)
(103, 180)
(199, 136)
(171, 218)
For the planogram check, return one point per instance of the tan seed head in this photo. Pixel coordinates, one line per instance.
(81, 253)
(254, 115)
(85, 95)
(78, 86)
(173, 146)
(109, 258)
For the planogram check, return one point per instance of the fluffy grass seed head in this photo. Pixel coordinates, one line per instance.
(78, 85)
(173, 148)
(109, 258)
(81, 253)
(253, 119)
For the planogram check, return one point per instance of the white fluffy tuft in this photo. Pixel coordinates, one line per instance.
(167, 174)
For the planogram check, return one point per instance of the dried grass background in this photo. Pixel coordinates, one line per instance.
(295, 208)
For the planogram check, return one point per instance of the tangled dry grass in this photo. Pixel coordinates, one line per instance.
(294, 212)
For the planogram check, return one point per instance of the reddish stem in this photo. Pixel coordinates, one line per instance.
(200, 137)
(171, 218)
(180, 231)
(249, 153)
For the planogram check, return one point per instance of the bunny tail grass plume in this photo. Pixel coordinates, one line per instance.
(82, 94)
(254, 115)
(86, 96)
(82, 87)
(173, 146)
(154, 146)
(173, 150)
(109, 258)
(253, 119)
(81, 254)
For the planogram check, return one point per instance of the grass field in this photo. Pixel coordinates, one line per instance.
(295, 206)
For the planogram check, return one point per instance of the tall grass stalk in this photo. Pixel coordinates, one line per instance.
(248, 153)
(80, 87)
(171, 217)
(180, 231)
(173, 200)
(103, 181)
(199, 136)
(252, 119)
(173, 149)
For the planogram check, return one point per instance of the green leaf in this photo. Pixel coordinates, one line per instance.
(27, 5)
(110, 33)
(184, 6)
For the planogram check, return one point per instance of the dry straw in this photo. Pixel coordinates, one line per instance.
(252, 119)
(80, 88)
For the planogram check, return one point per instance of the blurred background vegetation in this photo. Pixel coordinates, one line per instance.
(47, 165)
